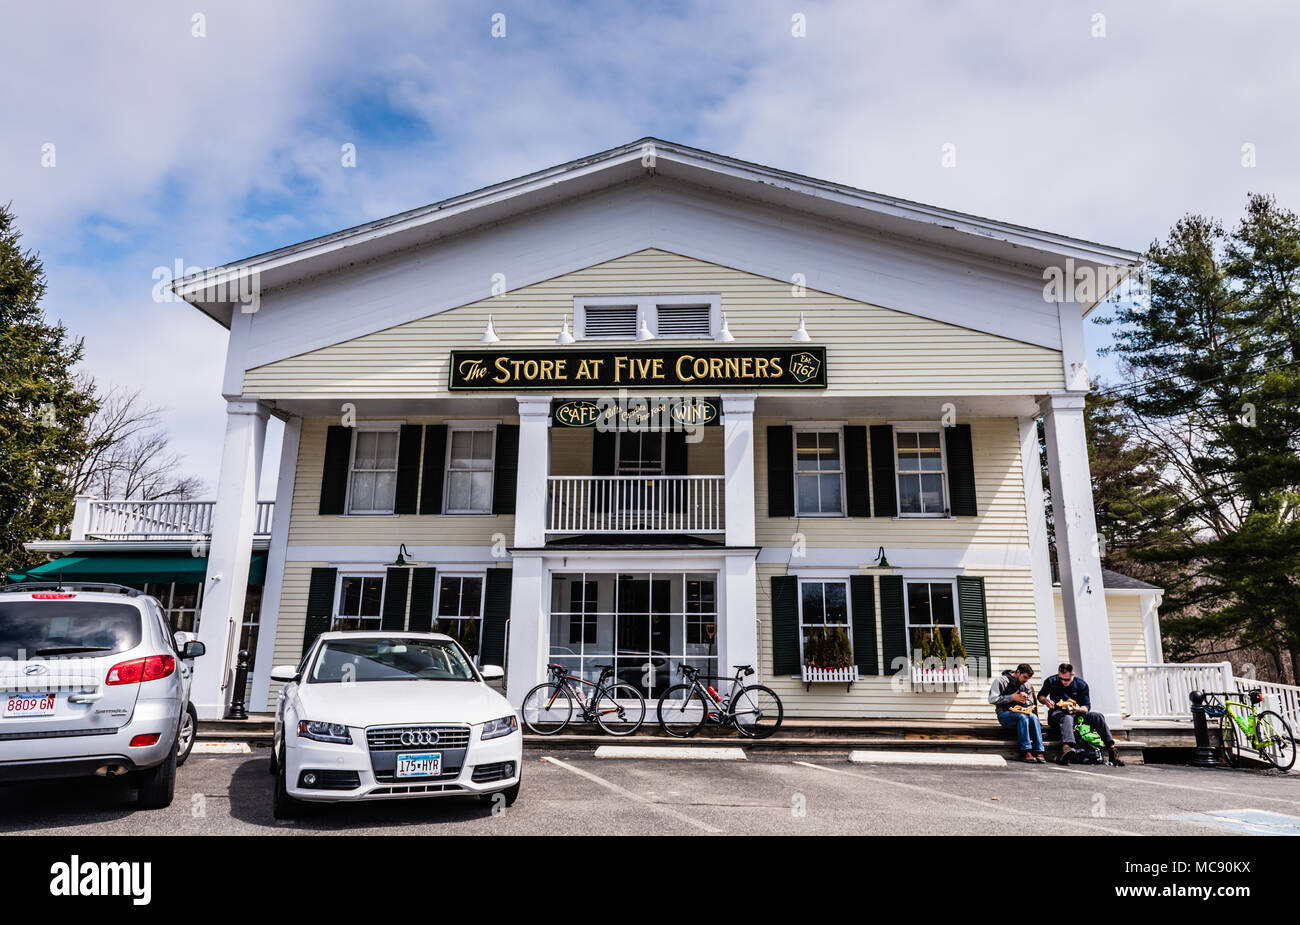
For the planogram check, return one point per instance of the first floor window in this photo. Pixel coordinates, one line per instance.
(460, 610)
(469, 469)
(582, 615)
(930, 612)
(818, 472)
(360, 599)
(824, 624)
(182, 600)
(373, 479)
(920, 473)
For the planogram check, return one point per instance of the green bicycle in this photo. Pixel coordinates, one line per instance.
(1245, 725)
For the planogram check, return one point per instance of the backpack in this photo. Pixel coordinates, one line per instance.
(1089, 748)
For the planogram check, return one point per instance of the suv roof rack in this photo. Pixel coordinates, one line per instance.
(93, 586)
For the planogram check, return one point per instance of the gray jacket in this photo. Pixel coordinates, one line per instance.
(1004, 685)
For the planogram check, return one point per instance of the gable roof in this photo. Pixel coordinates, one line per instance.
(650, 157)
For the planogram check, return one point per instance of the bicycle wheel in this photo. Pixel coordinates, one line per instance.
(1275, 743)
(547, 708)
(757, 711)
(620, 709)
(1230, 740)
(682, 710)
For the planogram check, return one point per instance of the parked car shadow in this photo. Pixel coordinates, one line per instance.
(250, 802)
(54, 804)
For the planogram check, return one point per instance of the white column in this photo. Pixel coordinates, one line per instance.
(534, 466)
(738, 467)
(80, 518)
(269, 615)
(527, 635)
(1040, 561)
(738, 623)
(1151, 626)
(231, 549)
(1087, 628)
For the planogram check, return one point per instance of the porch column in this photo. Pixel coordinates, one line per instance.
(1087, 629)
(738, 467)
(233, 521)
(526, 636)
(534, 467)
(738, 628)
(1040, 562)
(269, 616)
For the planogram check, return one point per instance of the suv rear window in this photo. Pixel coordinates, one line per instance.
(49, 629)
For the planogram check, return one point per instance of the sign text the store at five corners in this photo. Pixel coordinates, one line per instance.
(636, 367)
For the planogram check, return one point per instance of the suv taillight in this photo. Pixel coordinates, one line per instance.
(51, 596)
(150, 668)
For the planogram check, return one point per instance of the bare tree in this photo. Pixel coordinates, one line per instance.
(128, 454)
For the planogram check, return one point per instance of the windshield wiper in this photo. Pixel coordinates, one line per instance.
(68, 650)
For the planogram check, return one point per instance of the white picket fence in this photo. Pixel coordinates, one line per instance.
(841, 675)
(1160, 692)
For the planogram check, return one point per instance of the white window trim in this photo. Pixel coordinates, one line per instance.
(647, 308)
(848, 606)
(818, 427)
(920, 579)
(379, 572)
(922, 427)
(372, 426)
(482, 600)
(473, 426)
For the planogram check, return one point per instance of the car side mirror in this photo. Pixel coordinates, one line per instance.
(193, 649)
(492, 672)
(285, 673)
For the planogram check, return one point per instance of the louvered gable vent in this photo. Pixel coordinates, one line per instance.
(684, 321)
(610, 321)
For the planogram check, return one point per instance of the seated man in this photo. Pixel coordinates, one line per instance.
(1056, 693)
(1011, 688)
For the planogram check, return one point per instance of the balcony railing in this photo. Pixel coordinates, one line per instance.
(157, 520)
(635, 504)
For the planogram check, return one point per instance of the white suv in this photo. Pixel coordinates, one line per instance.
(92, 682)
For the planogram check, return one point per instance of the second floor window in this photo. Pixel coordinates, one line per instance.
(819, 473)
(469, 469)
(373, 485)
(921, 473)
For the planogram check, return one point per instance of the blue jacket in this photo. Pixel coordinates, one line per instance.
(1057, 690)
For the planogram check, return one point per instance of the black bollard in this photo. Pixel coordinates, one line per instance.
(237, 709)
(1205, 756)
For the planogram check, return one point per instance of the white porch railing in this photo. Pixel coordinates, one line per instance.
(1160, 692)
(1285, 698)
(635, 504)
(155, 520)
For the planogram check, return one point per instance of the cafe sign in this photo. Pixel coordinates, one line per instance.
(636, 413)
(655, 368)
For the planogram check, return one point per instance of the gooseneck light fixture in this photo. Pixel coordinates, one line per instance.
(565, 337)
(489, 334)
(800, 335)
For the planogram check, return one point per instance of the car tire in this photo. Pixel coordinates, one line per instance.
(156, 786)
(283, 806)
(187, 734)
(273, 766)
(510, 793)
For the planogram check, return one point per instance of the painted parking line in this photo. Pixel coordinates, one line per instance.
(1247, 821)
(221, 748)
(997, 807)
(635, 797)
(927, 758)
(674, 752)
(1120, 778)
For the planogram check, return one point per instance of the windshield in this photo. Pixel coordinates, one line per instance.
(49, 629)
(389, 660)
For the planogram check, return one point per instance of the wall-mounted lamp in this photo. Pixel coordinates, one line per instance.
(881, 561)
(565, 337)
(401, 557)
(643, 332)
(800, 335)
(725, 334)
(489, 334)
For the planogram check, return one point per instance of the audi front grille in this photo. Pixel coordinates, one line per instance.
(395, 738)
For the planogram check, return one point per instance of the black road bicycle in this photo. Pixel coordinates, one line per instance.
(753, 709)
(617, 708)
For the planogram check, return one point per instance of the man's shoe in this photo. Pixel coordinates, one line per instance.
(1029, 758)
(1064, 757)
(1114, 756)
(1039, 758)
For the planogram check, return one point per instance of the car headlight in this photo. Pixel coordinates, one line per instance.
(496, 728)
(324, 732)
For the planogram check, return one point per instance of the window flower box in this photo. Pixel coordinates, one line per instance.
(813, 675)
(939, 676)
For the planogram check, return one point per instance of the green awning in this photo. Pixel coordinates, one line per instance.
(132, 568)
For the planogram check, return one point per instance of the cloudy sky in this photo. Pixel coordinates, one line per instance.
(1097, 119)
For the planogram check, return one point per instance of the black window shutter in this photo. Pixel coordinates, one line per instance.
(862, 595)
(334, 478)
(883, 484)
(496, 611)
(780, 473)
(392, 614)
(961, 470)
(505, 477)
(424, 594)
(855, 471)
(602, 452)
(435, 459)
(320, 605)
(408, 469)
(973, 618)
(675, 452)
(785, 625)
(893, 623)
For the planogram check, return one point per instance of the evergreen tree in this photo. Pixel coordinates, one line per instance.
(43, 408)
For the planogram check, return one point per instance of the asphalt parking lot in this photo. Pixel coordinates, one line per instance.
(821, 793)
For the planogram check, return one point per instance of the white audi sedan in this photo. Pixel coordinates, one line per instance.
(376, 716)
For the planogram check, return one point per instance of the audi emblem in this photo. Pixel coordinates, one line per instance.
(419, 737)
